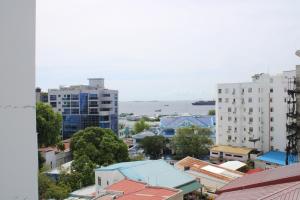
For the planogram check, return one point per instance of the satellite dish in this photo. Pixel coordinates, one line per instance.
(298, 53)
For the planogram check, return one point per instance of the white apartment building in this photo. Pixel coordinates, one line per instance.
(253, 114)
(85, 105)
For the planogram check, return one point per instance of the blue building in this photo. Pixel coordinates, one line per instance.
(170, 124)
(84, 106)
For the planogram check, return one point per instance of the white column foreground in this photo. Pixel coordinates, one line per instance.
(18, 143)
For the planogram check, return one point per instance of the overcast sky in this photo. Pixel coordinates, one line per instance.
(164, 49)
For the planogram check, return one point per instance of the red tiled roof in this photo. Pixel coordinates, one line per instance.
(279, 175)
(54, 148)
(134, 190)
(197, 165)
(253, 171)
(284, 191)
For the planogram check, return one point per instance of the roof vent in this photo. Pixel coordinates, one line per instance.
(186, 168)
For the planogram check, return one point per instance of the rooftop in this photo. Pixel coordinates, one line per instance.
(134, 190)
(154, 173)
(175, 122)
(268, 177)
(276, 157)
(232, 149)
(143, 134)
(208, 169)
(233, 165)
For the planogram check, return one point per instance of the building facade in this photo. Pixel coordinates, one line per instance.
(83, 106)
(254, 114)
(41, 96)
(18, 144)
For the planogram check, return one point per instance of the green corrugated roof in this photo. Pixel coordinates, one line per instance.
(190, 187)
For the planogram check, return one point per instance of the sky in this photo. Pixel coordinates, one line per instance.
(164, 49)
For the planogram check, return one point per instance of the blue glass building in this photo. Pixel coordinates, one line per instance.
(84, 106)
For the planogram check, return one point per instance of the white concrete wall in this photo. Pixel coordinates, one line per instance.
(18, 144)
(109, 176)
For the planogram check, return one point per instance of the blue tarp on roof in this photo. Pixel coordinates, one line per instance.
(153, 172)
(277, 157)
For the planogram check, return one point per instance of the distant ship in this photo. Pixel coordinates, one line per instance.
(158, 110)
(204, 103)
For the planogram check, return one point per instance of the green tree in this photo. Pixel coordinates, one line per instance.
(93, 147)
(50, 190)
(48, 125)
(212, 112)
(191, 141)
(41, 160)
(140, 126)
(153, 146)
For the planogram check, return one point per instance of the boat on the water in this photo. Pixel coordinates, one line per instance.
(158, 110)
(204, 103)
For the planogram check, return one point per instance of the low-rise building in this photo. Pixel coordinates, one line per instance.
(55, 157)
(277, 183)
(135, 190)
(170, 124)
(211, 177)
(273, 159)
(152, 172)
(137, 138)
(222, 153)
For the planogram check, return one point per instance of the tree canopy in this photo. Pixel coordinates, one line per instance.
(212, 112)
(48, 125)
(93, 147)
(48, 189)
(140, 126)
(192, 141)
(153, 146)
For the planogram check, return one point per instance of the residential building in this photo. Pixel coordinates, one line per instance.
(273, 159)
(170, 124)
(211, 177)
(55, 157)
(277, 183)
(253, 114)
(152, 172)
(18, 144)
(135, 190)
(137, 138)
(41, 96)
(221, 153)
(83, 106)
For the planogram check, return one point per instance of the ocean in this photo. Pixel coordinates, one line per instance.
(154, 108)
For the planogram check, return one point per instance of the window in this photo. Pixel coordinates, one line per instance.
(105, 95)
(226, 100)
(220, 91)
(226, 154)
(215, 153)
(226, 91)
(249, 90)
(104, 109)
(271, 100)
(229, 119)
(250, 110)
(271, 90)
(250, 119)
(52, 97)
(272, 119)
(249, 100)
(107, 182)
(220, 100)
(99, 181)
(53, 104)
(250, 129)
(229, 109)
(272, 128)
(237, 156)
(221, 118)
(271, 109)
